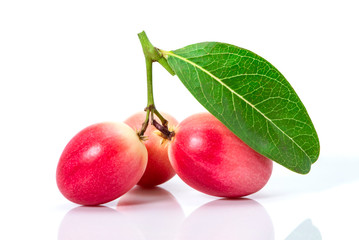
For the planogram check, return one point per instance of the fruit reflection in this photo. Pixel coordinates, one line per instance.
(92, 223)
(306, 230)
(153, 210)
(228, 219)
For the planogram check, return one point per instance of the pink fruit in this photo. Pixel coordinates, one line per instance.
(101, 163)
(159, 169)
(210, 158)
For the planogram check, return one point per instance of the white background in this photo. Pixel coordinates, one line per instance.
(67, 64)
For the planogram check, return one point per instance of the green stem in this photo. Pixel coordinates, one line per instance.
(150, 51)
(163, 120)
(144, 125)
(152, 54)
(150, 100)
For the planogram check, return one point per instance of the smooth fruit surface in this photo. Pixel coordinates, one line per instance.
(159, 169)
(210, 158)
(101, 163)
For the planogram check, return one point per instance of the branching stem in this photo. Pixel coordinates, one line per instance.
(152, 54)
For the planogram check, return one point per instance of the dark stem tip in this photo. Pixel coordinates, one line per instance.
(167, 134)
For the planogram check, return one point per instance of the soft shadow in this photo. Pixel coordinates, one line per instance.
(92, 223)
(154, 211)
(306, 230)
(145, 196)
(228, 219)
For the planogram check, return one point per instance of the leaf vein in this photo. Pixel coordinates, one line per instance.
(196, 66)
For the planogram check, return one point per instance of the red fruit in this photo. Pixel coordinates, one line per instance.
(159, 169)
(210, 158)
(101, 163)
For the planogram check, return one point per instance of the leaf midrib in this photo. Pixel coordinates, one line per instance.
(168, 53)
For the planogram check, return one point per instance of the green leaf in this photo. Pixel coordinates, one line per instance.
(252, 98)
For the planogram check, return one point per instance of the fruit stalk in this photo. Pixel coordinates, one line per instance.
(152, 54)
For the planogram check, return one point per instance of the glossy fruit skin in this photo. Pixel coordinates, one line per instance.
(101, 163)
(210, 158)
(159, 169)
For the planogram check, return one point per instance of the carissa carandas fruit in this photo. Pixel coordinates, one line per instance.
(101, 163)
(250, 98)
(210, 158)
(159, 169)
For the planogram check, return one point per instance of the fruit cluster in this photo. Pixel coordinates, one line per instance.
(105, 160)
